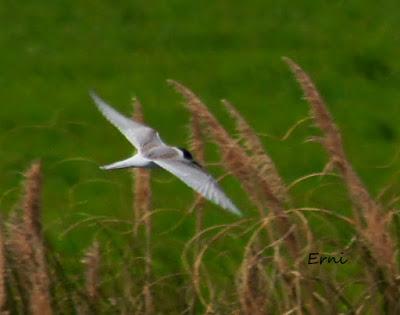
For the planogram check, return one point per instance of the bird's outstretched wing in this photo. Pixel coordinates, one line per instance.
(202, 182)
(137, 133)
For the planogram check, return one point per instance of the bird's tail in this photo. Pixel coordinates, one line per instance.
(128, 163)
(134, 161)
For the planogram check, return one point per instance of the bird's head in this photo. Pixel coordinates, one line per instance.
(188, 156)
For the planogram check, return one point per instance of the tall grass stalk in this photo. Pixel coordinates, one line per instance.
(197, 147)
(260, 158)
(142, 209)
(40, 296)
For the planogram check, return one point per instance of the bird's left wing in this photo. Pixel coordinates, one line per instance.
(137, 133)
(202, 182)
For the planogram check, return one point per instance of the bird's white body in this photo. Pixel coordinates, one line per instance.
(138, 160)
(153, 152)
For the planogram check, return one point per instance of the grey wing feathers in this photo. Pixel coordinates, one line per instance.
(200, 181)
(136, 133)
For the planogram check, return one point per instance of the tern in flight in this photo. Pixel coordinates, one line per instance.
(152, 152)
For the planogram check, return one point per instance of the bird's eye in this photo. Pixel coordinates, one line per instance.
(186, 154)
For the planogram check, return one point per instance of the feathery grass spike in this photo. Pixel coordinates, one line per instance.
(260, 157)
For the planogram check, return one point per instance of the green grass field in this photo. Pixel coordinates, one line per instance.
(52, 53)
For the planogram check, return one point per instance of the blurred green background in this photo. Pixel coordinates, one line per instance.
(53, 52)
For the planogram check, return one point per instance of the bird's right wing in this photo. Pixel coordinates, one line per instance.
(199, 180)
(137, 133)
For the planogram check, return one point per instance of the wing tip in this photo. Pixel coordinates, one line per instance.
(96, 98)
(235, 210)
(92, 93)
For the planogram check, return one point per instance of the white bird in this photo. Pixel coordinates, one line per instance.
(152, 152)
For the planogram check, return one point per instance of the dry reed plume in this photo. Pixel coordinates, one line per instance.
(260, 158)
(31, 202)
(142, 190)
(197, 147)
(40, 300)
